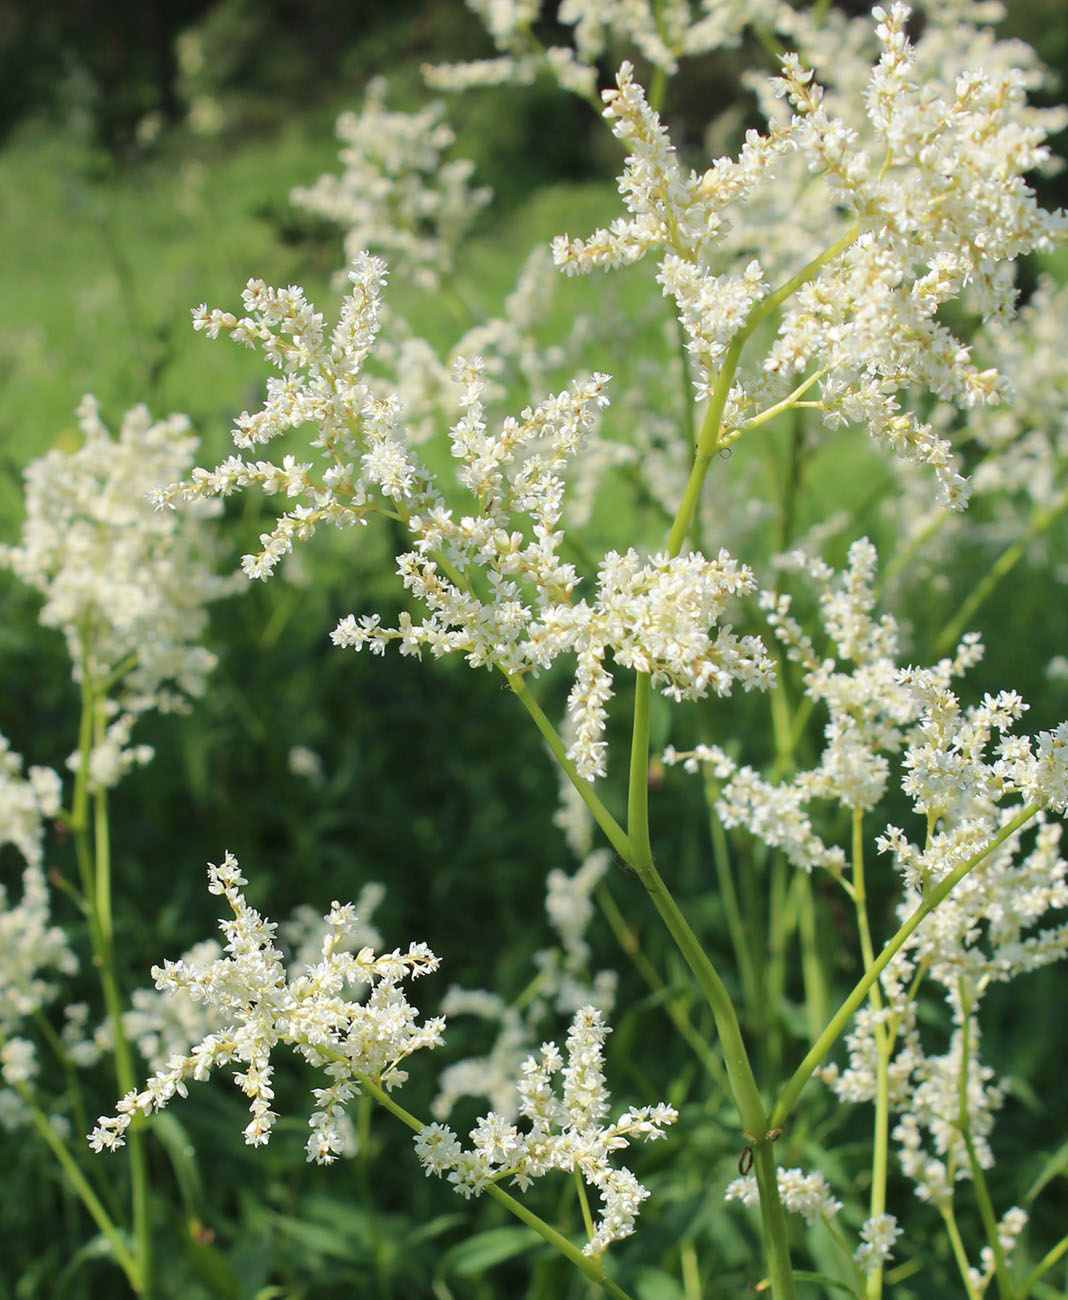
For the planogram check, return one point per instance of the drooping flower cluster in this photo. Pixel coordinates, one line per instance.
(397, 194)
(566, 1132)
(263, 1006)
(126, 585)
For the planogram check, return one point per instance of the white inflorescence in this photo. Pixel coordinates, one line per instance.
(565, 1132)
(125, 584)
(494, 585)
(262, 1005)
(806, 1194)
(397, 193)
(939, 208)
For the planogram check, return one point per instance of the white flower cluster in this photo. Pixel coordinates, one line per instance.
(164, 1023)
(806, 1194)
(877, 709)
(939, 207)
(396, 194)
(25, 802)
(263, 1005)
(877, 1235)
(126, 585)
(566, 1132)
(968, 778)
(493, 582)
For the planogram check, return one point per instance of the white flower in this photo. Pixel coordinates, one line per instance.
(806, 1194)
(397, 194)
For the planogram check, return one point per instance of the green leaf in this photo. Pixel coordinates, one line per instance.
(821, 1279)
(1055, 1164)
(485, 1249)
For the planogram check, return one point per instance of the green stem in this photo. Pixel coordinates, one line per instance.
(844, 1014)
(732, 912)
(617, 837)
(1044, 1265)
(1003, 565)
(959, 1253)
(628, 941)
(982, 1192)
(593, 1268)
(93, 852)
(873, 1287)
(775, 943)
(708, 440)
(814, 976)
(638, 787)
(77, 1180)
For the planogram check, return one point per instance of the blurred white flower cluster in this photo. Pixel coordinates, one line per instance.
(127, 586)
(662, 31)
(563, 984)
(33, 951)
(806, 1194)
(263, 1005)
(397, 194)
(565, 1132)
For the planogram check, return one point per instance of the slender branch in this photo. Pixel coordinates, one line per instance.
(789, 1095)
(982, 1192)
(628, 941)
(1044, 1265)
(1002, 566)
(638, 787)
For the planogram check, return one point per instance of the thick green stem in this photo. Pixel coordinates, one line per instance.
(982, 1193)
(789, 1095)
(593, 1268)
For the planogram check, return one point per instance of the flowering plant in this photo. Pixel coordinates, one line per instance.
(821, 275)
